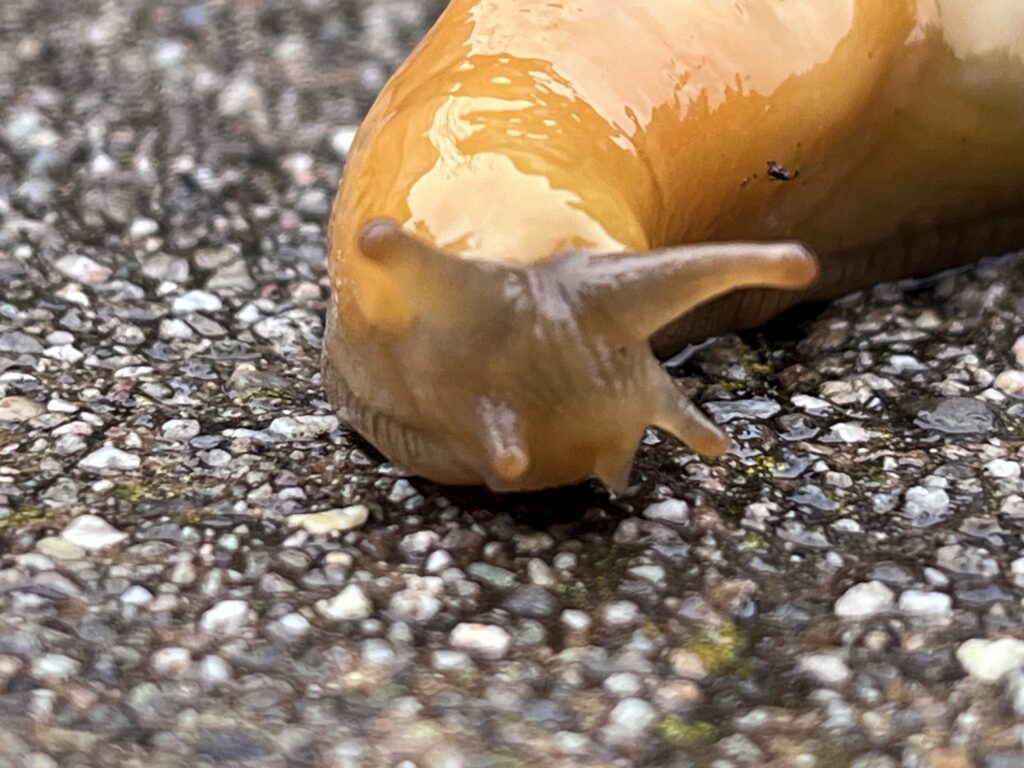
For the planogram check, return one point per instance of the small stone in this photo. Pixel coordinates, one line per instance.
(349, 604)
(1010, 382)
(957, 416)
(55, 668)
(303, 427)
(57, 548)
(83, 269)
(828, 669)
(990, 660)
(415, 546)
(483, 640)
(416, 606)
(623, 684)
(171, 662)
(1003, 470)
(754, 408)
(864, 600)
(342, 139)
(110, 457)
(172, 328)
(438, 561)
(196, 301)
(531, 601)
(180, 429)
(92, 533)
(213, 670)
(19, 409)
(849, 432)
(672, 511)
(332, 520)
(136, 595)
(620, 613)
(492, 575)
(926, 506)
(930, 604)
(575, 620)
(634, 716)
(227, 617)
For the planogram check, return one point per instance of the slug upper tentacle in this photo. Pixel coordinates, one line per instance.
(518, 217)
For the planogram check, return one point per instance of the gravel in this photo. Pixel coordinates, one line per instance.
(199, 566)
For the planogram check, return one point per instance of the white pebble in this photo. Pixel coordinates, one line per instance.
(332, 520)
(633, 716)
(920, 603)
(483, 640)
(1003, 469)
(864, 600)
(303, 427)
(171, 662)
(674, 511)
(227, 617)
(110, 457)
(180, 429)
(196, 301)
(92, 533)
(826, 668)
(351, 603)
(990, 660)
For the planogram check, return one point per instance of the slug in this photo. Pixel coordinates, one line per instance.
(549, 194)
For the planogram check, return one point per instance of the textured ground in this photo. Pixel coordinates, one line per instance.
(844, 589)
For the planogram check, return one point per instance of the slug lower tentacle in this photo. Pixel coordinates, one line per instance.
(519, 217)
(523, 376)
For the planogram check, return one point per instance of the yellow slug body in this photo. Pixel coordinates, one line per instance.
(545, 185)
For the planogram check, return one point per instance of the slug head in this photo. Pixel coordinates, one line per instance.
(522, 377)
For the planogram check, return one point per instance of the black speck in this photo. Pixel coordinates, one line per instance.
(780, 172)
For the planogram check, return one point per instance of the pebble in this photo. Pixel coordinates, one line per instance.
(990, 660)
(1002, 469)
(55, 668)
(303, 427)
(171, 662)
(634, 716)
(349, 604)
(755, 408)
(926, 506)
(415, 546)
(672, 511)
(957, 416)
(620, 613)
(196, 301)
(332, 520)
(228, 617)
(864, 600)
(83, 269)
(91, 533)
(416, 606)
(14, 408)
(58, 548)
(827, 669)
(849, 432)
(930, 604)
(110, 457)
(180, 429)
(1011, 382)
(485, 641)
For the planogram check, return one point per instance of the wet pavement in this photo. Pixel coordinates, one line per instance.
(199, 567)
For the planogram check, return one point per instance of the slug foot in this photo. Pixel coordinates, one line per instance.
(523, 377)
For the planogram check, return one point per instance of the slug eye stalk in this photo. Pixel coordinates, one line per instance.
(545, 374)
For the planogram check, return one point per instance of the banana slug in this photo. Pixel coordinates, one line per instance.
(549, 192)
